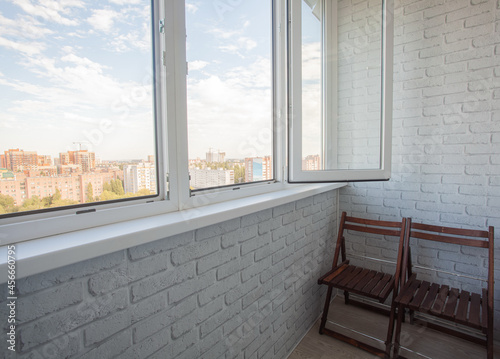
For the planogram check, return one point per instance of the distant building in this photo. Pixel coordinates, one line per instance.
(19, 160)
(311, 163)
(258, 169)
(139, 176)
(72, 187)
(215, 156)
(151, 159)
(83, 158)
(207, 178)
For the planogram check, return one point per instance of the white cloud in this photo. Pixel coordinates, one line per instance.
(135, 39)
(125, 2)
(51, 10)
(24, 27)
(29, 49)
(197, 65)
(231, 110)
(103, 19)
(311, 61)
(192, 8)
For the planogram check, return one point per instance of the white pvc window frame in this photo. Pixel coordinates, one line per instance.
(172, 149)
(329, 77)
(38, 225)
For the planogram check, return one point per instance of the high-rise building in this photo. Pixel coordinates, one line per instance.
(82, 158)
(311, 163)
(139, 176)
(258, 169)
(215, 156)
(19, 160)
(207, 178)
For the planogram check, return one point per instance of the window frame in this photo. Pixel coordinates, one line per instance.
(329, 72)
(31, 226)
(172, 150)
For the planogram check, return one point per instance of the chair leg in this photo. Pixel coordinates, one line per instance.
(390, 332)
(325, 309)
(398, 330)
(346, 297)
(489, 342)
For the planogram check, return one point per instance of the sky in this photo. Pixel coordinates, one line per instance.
(77, 73)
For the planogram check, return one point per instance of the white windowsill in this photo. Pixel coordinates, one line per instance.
(41, 255)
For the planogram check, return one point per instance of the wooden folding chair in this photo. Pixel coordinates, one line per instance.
(473, 310)
(360, 281)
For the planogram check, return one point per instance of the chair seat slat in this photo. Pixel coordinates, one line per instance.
(451, 303)
(381, 285)
(438, 306)
(463, 307)
(430, 298)
(362, 283)
(420, 295)
(373, 282)
(475, 309)
(350, 277)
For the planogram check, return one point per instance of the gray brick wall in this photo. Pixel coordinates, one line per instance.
(244, 288)
(446, 149)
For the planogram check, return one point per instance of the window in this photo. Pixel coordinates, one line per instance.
(229, 93)
(77, 89)
(132, 109)
(341, 94)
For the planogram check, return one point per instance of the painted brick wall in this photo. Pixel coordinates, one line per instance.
(244, 288)
(446, 146)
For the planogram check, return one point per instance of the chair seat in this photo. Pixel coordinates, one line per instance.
(369, 283)
(462, 307)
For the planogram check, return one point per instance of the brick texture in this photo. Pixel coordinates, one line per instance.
(244, 288)
(446, 128)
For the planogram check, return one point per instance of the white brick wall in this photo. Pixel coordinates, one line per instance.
(244, 288)
(446, 152)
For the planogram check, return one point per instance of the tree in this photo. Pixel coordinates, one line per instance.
(90, 193)
(56, 196)
(117, 187)
(108, 196)
(106, 187)
(7, 203)
(32, 204)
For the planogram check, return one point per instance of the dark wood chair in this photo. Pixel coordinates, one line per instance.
(361, 281)
(474, 310)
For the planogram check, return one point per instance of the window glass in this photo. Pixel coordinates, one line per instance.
(229, 92)
(77, 122)
(341, 90)
(312, 113)
(359, 84)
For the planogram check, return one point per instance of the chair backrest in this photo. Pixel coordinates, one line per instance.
(458, 236)
(383, 228)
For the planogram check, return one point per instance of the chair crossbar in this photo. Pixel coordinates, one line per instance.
(374, 230)
(448, 239)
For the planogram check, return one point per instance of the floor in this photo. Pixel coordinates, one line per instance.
(423, 342)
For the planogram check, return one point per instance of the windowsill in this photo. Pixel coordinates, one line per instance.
(41, 255)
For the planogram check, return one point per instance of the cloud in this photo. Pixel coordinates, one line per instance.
(103, 19)
(192, 8)
(233, 41)
(125, 2)
(24, 27)
(197, 65)
(135, 39)
(237, 101)
(51, 10)
(29, 49)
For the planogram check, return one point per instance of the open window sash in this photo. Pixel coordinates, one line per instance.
(340, 93)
